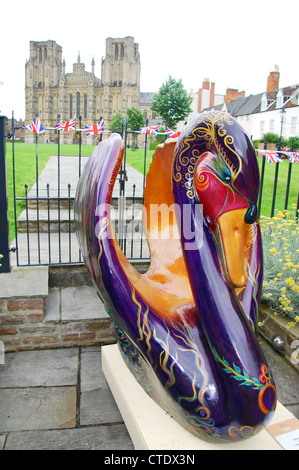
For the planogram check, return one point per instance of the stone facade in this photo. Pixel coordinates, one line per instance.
(51, 92)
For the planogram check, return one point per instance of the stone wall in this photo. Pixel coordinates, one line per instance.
(23, 327)
(24, 324)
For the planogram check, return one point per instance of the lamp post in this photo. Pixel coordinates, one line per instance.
(282, 113)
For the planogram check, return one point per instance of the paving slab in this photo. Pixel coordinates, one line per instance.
(25, 282)
(81, 303)
(52, 306)
(92, 377)
(88, 438)
(37, 408)
(97, 405)
(2, 441)
(39, 368)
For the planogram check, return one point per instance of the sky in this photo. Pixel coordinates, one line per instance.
(235, 44)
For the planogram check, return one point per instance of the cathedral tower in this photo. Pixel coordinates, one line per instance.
(51, 91)
(121, 75)
(43, 72)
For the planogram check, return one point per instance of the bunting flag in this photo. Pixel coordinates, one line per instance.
(66, 126)
(169, 131)
(36, 127)
(271, 157)
(149, 130)
(293, 157)
(172, 133)
(95, 129)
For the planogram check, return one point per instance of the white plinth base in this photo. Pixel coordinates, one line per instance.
(151, 428)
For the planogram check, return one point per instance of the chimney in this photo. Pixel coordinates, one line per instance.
(212, 94)
(231, 94)
(273, 80)
(199, 103)
(206, 84)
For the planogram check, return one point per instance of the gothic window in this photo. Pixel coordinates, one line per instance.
(78, 104)
(45, 53)
(122, 50)
(85, 106)
(40, 55)
(71, 106)
(116, 52)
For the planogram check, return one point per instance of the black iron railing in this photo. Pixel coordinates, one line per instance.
(45, 232)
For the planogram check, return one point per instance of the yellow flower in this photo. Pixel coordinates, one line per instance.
(272, 250)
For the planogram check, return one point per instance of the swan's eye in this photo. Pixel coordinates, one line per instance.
(227, 179)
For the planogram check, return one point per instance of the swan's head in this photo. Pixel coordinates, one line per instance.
(226, 180)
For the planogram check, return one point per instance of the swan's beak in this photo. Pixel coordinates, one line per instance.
(233, 233)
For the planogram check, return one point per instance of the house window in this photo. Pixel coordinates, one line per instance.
(271, 125)
(262, 127)
(264, 102)
(279, 99)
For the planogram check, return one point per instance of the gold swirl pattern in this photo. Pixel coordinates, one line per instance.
(210, 127)
(202, 182)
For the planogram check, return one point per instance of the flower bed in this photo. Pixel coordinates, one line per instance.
(281, 265)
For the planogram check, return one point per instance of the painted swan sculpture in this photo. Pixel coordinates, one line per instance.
(187, 327)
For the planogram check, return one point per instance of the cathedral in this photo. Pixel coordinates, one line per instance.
(51, 92)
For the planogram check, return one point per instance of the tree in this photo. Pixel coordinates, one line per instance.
(172, 102)
(115, 123)
(135, 121)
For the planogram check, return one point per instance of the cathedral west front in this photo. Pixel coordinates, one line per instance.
(50, 91)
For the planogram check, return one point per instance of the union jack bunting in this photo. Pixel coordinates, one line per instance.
(149, 130)
(172, 133)
(169, 131)
(95, 129)
(36, 127)
(272, 157)
(292, 156)
(66, 126)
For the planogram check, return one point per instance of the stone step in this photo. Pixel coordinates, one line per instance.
(54, 220)
(65, 202)
(80, 303)
(46, 221)
(55, 248)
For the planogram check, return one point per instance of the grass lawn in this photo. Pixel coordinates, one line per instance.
(268, 186)
(25, 173)
(25, 170)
